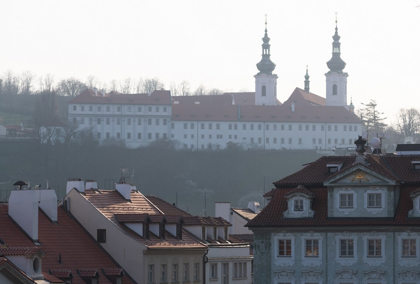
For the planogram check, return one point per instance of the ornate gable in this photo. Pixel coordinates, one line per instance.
(358, 175)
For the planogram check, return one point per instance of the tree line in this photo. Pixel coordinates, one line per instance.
(26, 83)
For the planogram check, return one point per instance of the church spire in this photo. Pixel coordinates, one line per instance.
(307, 80)
(336, 64)
(266, 66)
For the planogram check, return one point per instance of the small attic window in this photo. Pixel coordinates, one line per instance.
(101, 235)
(298, 205)
(334, 167)
(416, 165)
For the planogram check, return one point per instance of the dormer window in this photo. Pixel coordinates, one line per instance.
(416, 165)
(334, 167)
(299, 201)
(298, 205)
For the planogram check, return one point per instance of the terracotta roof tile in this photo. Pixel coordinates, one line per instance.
(166, 207)
(393, 167)
(272, 215)
(209, 221)
(113, 206)
(159, 97)
(20, 251)
(66, 247)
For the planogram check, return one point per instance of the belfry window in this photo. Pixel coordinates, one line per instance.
(334, 90)
(263, 91)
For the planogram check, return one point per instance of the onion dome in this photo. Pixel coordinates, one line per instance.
(266, 66)
(336, 64)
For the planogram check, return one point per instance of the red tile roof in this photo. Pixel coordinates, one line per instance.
(115, 207)
(397, 169)
(166, 207)
(65, 245)
(208, 221)
(304, 112)
(160, 97)
(272, 215)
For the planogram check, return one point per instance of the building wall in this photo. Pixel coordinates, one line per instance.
(140, 125)
(123, 248)
(238, 225)
(169, 257)
(231, 257)
(340, 80)
(360, 208)
(329, 267)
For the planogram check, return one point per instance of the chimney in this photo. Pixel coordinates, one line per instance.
(124, 189)
(91, 184)
(78, 184)
(146, 228)
(24, 205)
(179, 229)
(162, 229)
(222, 209)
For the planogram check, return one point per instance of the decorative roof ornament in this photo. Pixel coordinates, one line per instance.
(360, 145)
(266, 66)
(336, 64)
(307, 80)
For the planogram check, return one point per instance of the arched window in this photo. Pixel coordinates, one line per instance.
(334, 90)
(263, 91)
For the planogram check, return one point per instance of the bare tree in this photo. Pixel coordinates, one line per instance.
(126, 86)
(46, 83)
(200, 91)
(113, 86)
(70, 87)
(151, 85)
(10, 84)
(139, 89)
(214, 92)
(26, 83)
(409, 122)
(91, 82)
(184, 88)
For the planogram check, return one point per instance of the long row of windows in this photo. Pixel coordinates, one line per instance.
(239, 271)
(174, 275)
(118, 121)
(347, 248)
(100, 108)
(272, 140)
(268, 126)
(130, 136)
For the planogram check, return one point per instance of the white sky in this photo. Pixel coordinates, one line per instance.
(217, 43)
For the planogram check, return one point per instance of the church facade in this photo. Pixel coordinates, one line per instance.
(250, 120)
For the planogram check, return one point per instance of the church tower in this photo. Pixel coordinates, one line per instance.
(336, 79)
(265, 80)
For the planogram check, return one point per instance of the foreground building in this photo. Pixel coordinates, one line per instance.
(251, 119)
(156, 242)
(41, 243)
(349, 219)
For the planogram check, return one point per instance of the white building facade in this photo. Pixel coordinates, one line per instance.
(303, 121)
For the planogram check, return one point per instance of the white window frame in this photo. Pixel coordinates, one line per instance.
(402, 247)
(354, 247)
(291, 247)
(340, 194)
(304, 247)
(375, 247)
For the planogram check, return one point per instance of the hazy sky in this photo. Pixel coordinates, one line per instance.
(217, 43)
